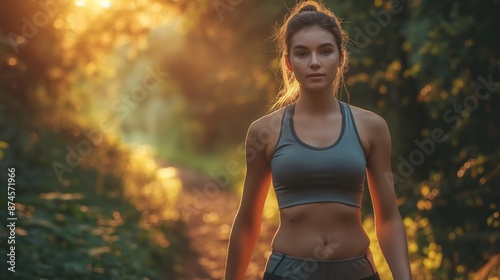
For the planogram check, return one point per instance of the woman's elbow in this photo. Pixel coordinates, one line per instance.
(247, 222)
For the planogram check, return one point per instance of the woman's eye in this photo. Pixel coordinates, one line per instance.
(300, 54)
(326, 52)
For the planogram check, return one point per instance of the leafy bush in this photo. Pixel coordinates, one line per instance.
(88, 225)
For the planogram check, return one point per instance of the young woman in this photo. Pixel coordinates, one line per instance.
(317, 150)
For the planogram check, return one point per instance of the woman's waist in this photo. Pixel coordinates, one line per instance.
(320, 241)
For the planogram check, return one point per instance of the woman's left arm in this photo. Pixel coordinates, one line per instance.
(391, 233)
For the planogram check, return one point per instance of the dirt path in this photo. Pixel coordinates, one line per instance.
(209, 216)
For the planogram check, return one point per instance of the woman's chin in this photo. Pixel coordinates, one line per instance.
(318, 87)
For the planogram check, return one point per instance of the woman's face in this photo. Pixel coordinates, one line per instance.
(314, 58)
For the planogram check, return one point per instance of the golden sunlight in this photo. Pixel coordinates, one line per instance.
(93, 4)
(83, 13)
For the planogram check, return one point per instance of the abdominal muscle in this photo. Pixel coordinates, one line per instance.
(321, 231)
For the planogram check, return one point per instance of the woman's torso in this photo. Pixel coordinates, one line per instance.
(320, 230)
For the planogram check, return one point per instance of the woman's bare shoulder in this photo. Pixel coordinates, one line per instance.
(367, 119)
(270, 122)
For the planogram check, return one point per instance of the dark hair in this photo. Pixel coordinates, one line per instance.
(306, 14)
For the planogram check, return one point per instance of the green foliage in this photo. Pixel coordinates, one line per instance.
(459, 194)
(76, 229)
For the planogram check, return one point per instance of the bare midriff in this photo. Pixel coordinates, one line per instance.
(321, 231)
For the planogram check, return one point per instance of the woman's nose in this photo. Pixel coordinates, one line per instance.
(314, 61)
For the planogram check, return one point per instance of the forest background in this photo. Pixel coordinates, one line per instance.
(102, 101)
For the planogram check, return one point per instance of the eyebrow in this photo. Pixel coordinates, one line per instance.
(320, 46)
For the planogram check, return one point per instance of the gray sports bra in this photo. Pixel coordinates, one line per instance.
(305, 174)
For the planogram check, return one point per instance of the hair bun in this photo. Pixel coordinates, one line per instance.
(308, 8)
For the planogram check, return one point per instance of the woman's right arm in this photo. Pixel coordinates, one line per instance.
(246, 226)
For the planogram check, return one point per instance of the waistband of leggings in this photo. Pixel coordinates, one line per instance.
(365, 255)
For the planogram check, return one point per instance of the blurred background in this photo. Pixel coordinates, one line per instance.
(124, 121)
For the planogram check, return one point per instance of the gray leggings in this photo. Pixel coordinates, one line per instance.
(280, 266)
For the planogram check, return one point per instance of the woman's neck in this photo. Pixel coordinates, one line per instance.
(323, 102)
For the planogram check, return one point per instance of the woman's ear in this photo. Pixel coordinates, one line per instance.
(288, 63)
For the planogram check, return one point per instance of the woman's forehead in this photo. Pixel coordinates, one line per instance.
(312, 37)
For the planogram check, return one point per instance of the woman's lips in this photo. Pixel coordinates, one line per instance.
(315, 76)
